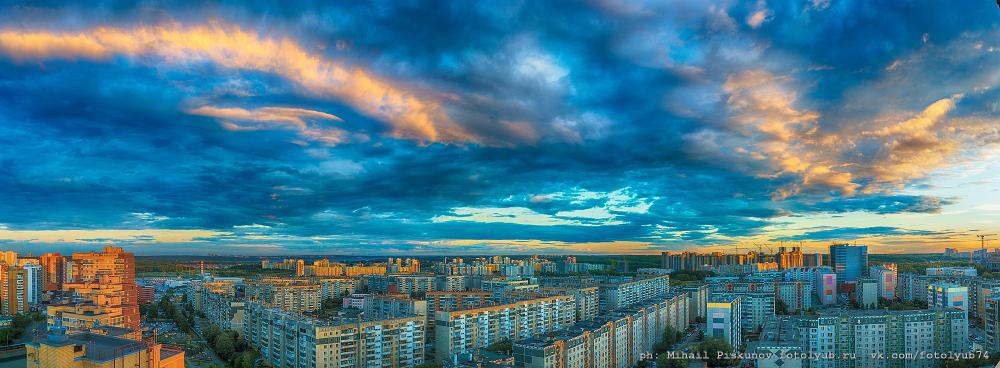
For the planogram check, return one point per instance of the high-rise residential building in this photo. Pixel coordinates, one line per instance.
(460, 333)
(587, 298)
(450, 301)
(826, 285)
(8, 257)
(689, 261)
(815, 259)
(867, 292)
(88, 350)
(886, 276)
(33, 278)
(288, 296)
(393, 306)
(110, 266)
(106, 278)
(790, 258)
(755, 309)
(621, 294)
(991, 324)
(850, 262)
(412, 284)
(449, 283)
(797, 295)
(290, 340)
(53, 271)
(823, 279)
(219, 303)
(333, 288)
(869, 336)
(13, 289)
(948, 295)
(986, 290)
(698, 295)
(145, 295)
(618, 339)
(724, 318)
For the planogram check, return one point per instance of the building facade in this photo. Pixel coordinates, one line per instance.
(290, 340)
(461, 332)
(850, 262)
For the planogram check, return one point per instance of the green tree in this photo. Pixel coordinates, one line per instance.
(663, 361)
(500, 347)
(780, 308)
(712, 346)
(211, 333)
(152, 311)
(670, 337)
(431, 364)
(225, 346)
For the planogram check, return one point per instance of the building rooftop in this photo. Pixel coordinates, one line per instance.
(96, 347)
(722, 298)
(780, 331)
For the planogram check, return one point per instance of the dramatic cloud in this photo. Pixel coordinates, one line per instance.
(234, 118)
(410, 115)
(433, 127)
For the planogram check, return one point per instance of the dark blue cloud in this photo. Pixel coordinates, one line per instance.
(613, 93)
(850, 233)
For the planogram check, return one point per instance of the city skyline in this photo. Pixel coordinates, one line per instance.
(434, 128)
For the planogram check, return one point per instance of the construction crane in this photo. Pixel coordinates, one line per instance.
(982, 242)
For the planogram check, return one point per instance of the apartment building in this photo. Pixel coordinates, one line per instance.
(797, 295)
(756, 308)
(948, 295)
(220, 304)
(106, 278)
(53, 271)
(459, 333)
(393, 306)
(87, 350)
(33, 281)
(619, 339)
(333, 288)
(13, 289)
(458, 300)
(290, 340)
(85, 316)
(823, 279)
(289, 296)
(616, 295)
(587, 298)
(991, 324)
(499, 287)
(449, 283)
(850, 262)
(867, 335)
(412, 284)
(725, 318)
(886, 276)
(698, 296)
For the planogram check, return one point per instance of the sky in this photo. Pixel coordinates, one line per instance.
(498, 127)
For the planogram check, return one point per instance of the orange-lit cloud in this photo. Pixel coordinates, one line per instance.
(234, 118)
(787, 140)
(409, 112)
